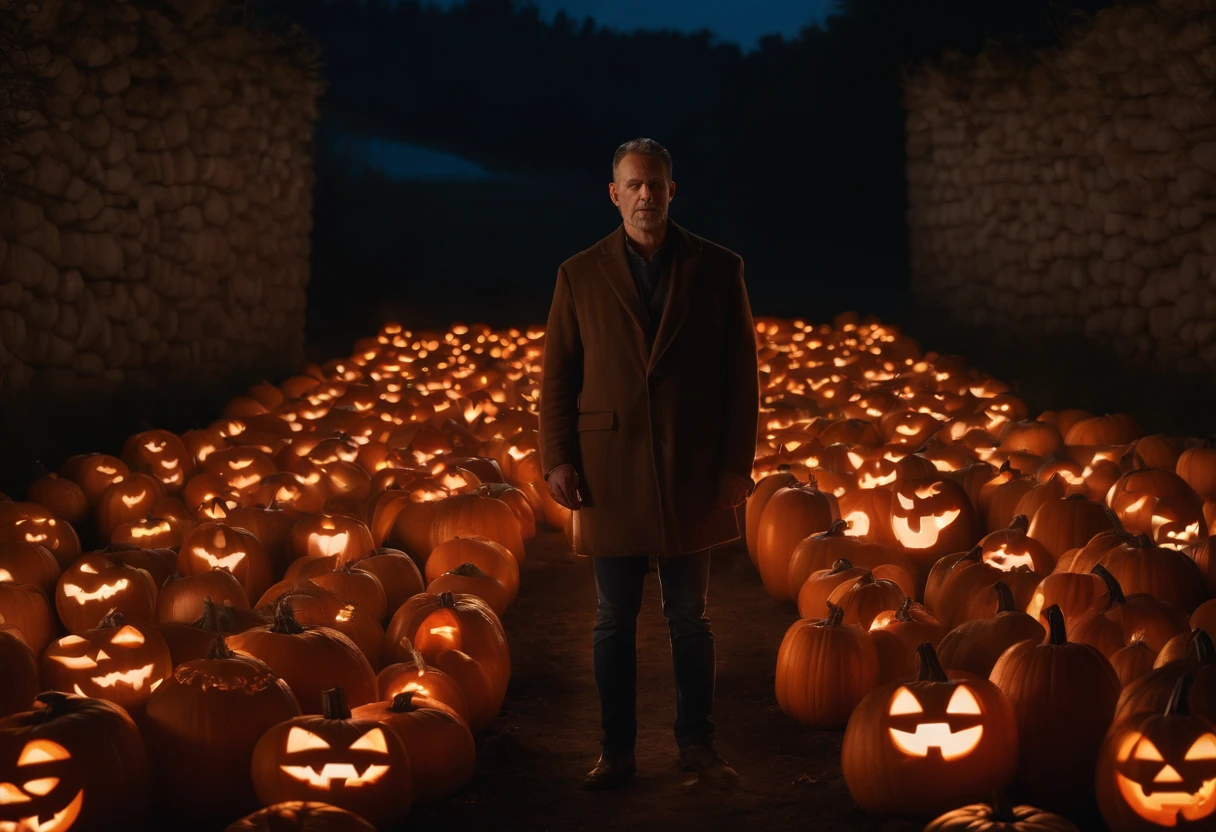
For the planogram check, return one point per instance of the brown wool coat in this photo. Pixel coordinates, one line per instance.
(650, 415)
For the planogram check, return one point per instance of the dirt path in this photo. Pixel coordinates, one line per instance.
(532, 762)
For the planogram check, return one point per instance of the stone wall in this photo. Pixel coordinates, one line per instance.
(1074, 189)
(157, 202)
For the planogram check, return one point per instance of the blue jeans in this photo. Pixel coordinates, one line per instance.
(684, 580)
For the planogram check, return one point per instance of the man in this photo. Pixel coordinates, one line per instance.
(648, 415)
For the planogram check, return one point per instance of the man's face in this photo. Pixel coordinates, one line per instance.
(642, 191)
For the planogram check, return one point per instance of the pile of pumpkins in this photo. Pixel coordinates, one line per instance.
(296, 607)
(990, 602)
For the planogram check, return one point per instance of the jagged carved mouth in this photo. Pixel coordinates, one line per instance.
(1164, 807)
(58, 822)
(344, 773)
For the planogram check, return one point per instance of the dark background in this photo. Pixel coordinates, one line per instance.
(791, 154)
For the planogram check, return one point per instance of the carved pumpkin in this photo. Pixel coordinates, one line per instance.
(119, 661)
(126, 501)
(931, 517)
(162, 454)
(185, 740)
(1158, 769)
(321, 534)
(919, 747)
(95, 585)
(217, 545)
(94, 473)
(72, 763)
(357, 764)
(31, 523)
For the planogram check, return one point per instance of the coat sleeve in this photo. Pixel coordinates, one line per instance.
(743, 382)
(561, 380)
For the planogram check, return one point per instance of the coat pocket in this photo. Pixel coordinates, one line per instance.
(597, 420)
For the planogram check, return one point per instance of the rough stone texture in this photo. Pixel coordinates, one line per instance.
(1075, 189)
(158, 201)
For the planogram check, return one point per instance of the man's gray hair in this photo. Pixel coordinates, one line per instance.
(646, 147)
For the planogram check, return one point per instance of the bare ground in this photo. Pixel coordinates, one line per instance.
(531, 763)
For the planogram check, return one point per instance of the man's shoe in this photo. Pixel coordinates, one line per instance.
(705, 760)
(611, 771)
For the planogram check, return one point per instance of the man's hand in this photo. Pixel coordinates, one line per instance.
(733, 489)
(563, 485)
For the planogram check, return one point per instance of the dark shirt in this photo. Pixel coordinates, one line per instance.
(651, 276)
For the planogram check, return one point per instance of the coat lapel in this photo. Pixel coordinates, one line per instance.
(679, 293)
(684, 263)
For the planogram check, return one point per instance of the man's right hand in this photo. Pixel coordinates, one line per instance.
(563, 485)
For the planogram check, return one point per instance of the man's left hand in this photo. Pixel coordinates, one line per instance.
(733, 489)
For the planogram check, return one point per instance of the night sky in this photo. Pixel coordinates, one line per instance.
(740, 21)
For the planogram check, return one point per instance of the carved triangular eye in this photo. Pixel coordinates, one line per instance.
(42, 751)
(88, 568)
(905, 703)
(1145, 750)
(128, 636)
(963, 702)
(1204, 748)
(373, 740)
(300, 740)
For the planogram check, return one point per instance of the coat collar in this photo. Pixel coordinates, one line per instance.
(685, 258)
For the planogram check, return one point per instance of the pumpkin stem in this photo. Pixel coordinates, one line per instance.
(446, 601)
(416, 658)
(838, 528)
(976, 554)
(1020, 523)
(840, 565)
(1005, 466)
(1002, 808)
(219, 648)
(811, 482)
(112, 618)
(1056, 632)
(1004, 597)
(1204, 649)
(1112, 586)
(835, 616)
(285, 618)
(1142, 541)
(333, 704)
(1180, 697)
(55, 705)
(468, 570)
(403, 703)
(904, 613)
(931, 669)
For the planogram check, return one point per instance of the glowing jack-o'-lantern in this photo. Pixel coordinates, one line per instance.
(162, 454)
(71, 763)
(924, 746)
(95, 585)
(932, 517)
(1158, 770)
(117, 661)
(217, 545)
(356, 764)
